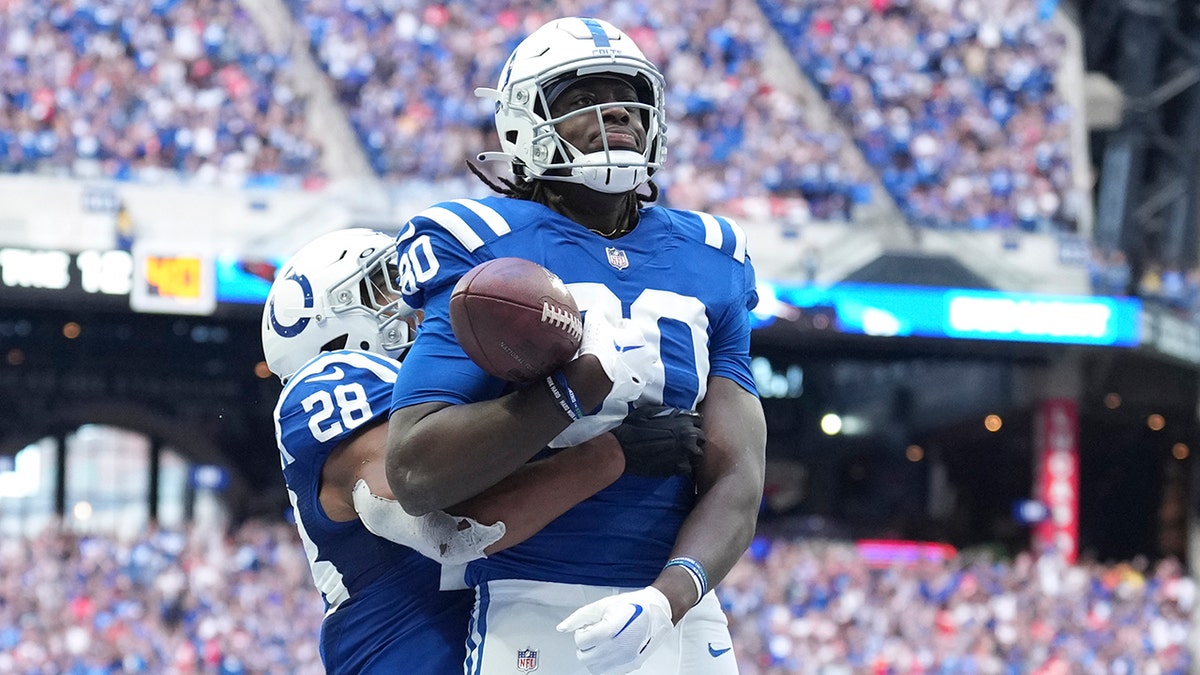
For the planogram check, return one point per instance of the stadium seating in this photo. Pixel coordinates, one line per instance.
(164, 91)
(209, 602)
(954, 105)
(966, 131)
(405, 78)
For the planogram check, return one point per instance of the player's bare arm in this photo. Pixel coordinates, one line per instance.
(525, 501)
(359, 457)
(541, 491)
(440, 454)
(729, 482)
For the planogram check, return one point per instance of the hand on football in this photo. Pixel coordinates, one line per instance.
(617, 634)
(660, 441)
(623, 353)
(628, 361)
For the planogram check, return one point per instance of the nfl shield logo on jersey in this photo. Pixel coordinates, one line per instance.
(617, 257)
(527, 660)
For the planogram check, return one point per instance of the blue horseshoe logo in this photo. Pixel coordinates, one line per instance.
(298, 327)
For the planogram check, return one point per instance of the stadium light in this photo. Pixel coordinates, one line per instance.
(831, 424)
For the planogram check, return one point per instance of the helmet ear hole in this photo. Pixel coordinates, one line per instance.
(336, 343)
(511, 136)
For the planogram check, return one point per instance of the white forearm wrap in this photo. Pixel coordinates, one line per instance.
(440, 536)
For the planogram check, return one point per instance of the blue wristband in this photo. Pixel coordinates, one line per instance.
(694, 568)
(564, 396)
(561, 380)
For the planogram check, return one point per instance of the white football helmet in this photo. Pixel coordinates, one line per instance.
(337, 292)
(562, 50)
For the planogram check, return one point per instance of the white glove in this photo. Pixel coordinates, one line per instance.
(628, 360)
(450, 540)
(617, 634)
(623, 353)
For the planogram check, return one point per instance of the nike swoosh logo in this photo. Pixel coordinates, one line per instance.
(335, 374)
(626, 349)
(716, 652)
(637, 611)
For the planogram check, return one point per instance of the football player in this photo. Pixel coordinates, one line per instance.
(333, 328)
(621, 582)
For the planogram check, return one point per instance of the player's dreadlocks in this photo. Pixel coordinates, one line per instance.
(535, 191)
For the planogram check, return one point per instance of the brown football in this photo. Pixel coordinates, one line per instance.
(515, 319)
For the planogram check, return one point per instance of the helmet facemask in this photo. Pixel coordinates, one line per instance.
(611, 170)
(378, 294)
(539, 68)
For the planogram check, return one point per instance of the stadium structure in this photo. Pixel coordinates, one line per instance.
(980, 280)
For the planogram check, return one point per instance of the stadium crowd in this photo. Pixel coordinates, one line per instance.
(404, 72)
(231, 604)
(148, 90)
(165, 602)
(953, 103)
(1164, 284)
(804, 607)
(966, 130)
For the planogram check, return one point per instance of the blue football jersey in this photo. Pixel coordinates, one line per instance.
(682, 276)
(385, 613)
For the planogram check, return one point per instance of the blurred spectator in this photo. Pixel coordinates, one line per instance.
(400, 69)
(203, 602)
(167, 602)
(147, 90)
(953, 103)
(966, 130)
(124, 228)
(818, 607)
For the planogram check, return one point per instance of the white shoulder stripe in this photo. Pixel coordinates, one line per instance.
(712, 229)
(714, 237)
(490, 216)
(454, 225)
(739, 238)
(353, 359)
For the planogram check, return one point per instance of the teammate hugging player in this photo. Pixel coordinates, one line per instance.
(333, 327)
(619, 582)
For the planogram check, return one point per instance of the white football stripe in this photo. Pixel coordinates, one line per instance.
(712, 229)
(455, 225)
(739, 238)
(490, 216)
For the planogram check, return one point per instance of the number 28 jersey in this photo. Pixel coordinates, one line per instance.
(682, 277)
(384, 612)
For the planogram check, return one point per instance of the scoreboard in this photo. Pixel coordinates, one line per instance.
(141, 280)
(172, 284)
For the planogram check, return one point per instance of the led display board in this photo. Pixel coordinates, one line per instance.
(176, 282)
(172, 283)
(913, 311)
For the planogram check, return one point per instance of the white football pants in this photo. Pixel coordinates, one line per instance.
(513, 633)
